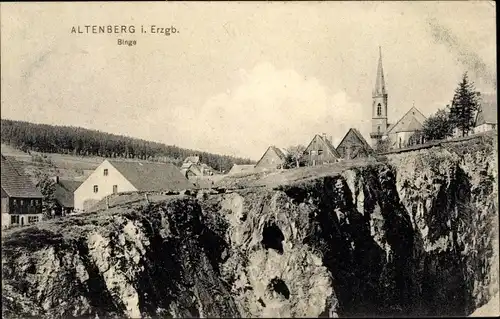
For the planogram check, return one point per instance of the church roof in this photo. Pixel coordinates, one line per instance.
(411, 121)
(380, 81)
(487, 113)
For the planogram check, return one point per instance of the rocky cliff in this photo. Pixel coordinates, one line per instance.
(415, 234)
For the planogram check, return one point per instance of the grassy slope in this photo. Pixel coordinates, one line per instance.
(65, 166)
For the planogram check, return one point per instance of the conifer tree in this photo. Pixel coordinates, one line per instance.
(464, 106)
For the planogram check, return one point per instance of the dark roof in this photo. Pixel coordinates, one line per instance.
(360, 137)
(64, 192)
(327, 143)
(330, 146)
(15, 183)
(278, 152)
(152, 176)
(487, 113)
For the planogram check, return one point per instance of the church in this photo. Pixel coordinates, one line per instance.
(400, 133)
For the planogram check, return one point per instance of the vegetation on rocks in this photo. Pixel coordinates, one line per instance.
(415, 235)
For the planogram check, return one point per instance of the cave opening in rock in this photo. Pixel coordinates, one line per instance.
(280, 287)
(272, 237)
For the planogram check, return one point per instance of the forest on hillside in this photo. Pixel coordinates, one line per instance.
(84, 142)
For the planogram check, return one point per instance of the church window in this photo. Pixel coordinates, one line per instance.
(379, 109)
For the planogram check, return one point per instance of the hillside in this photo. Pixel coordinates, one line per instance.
(78, 141)
(413, 234)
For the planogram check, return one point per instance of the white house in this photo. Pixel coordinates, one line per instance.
(486, 118)
(116, 177)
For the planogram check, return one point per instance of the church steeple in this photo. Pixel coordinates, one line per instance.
(380, 82)
(379, 104)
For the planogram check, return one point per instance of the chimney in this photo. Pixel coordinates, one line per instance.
(331, 139)
(324, 135)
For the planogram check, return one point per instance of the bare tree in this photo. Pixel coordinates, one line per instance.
(295, 155)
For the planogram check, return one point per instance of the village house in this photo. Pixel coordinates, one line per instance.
(399, 134)
(113, 177)
(64, 196)
(192, 167)
(321, 151)
(486, 118)
(354, 145)
(273, 158)
(21, 200)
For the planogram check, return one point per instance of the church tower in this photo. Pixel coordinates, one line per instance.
(379, 104)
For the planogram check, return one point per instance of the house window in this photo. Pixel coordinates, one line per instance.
(379, 109)
(105, 172)
(21, 202)
(32, 219)
(14, 219)
(378, 129)
(32, 203)
(313, 153)
(96, 188)
(320, 152)
(14, 202)
(115, 189)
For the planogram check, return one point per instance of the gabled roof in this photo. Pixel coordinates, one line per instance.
(487, 113)
(360, 137)
(64, 193)
(281, 153)
(411, 121)
(152, 176)
(15, 183)
(192, 159)
(327, 143)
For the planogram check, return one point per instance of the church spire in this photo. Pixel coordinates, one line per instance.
(380, 82)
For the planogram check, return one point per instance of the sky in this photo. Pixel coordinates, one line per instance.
(238, 77)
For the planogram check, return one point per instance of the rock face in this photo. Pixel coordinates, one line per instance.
(417, 235)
